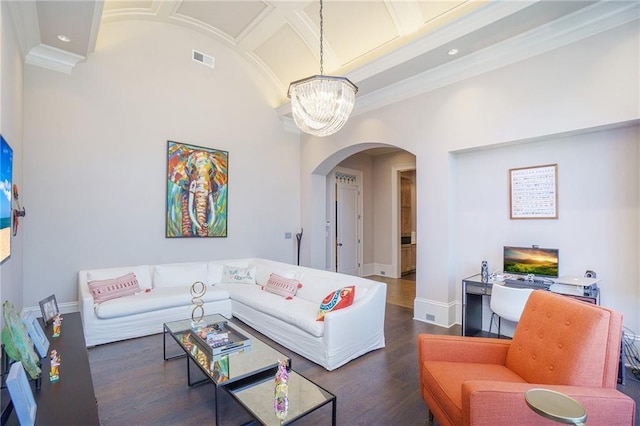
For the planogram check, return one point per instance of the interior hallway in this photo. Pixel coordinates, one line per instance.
(400, 291)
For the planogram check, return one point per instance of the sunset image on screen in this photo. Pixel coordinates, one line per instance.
(528, 260)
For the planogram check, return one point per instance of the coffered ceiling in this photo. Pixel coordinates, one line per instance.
(378, 44)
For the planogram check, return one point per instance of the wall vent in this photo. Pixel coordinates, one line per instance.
(203, 59)
(430, 317)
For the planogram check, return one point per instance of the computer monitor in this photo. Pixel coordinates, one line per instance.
(541, 262)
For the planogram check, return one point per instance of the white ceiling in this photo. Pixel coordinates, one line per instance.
(381, 45)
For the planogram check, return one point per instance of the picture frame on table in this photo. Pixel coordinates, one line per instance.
(49, 309)
(36, 333)
(21, 394)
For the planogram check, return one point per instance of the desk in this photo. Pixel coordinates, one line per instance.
(473, 292)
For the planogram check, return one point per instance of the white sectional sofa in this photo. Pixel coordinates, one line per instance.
(165, 296)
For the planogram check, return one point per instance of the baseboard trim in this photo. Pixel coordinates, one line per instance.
(65, 308)
(435, 312)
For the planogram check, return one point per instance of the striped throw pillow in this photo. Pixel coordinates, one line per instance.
(285, 287)
(113, 288)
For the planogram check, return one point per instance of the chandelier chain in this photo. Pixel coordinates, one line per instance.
(321, 41)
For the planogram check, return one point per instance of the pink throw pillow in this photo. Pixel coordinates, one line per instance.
(285, 287)
(113, 288)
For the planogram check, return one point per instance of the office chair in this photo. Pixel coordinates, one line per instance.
(507, 302)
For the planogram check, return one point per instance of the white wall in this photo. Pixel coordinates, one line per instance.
(586, 85)
(598, 219)
(11, 102)
(95, 148)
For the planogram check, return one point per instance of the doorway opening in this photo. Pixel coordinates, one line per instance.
(345, 223)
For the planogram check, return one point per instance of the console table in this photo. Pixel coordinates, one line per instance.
(71, 400)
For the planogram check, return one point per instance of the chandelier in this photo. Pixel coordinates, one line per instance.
(321, 104)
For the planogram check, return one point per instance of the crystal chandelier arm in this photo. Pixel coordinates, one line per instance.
(321, 41)
(321, 104)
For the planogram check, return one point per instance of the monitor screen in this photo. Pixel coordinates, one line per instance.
(542, 262)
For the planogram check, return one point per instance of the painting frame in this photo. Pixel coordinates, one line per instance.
(49, 308)
(6, 198)
(533, 192)
(196, 196)
(36, 333)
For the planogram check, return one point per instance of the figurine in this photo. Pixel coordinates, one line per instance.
(281, 397)
(57, 323)
(54, 373)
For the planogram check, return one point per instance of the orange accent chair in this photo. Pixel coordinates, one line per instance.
(560, 343)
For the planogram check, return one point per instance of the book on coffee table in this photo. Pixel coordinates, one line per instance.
(219, 339)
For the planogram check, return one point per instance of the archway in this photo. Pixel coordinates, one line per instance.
(388, 161)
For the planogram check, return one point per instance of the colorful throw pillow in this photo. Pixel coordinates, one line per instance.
(235, 274)
(285, 287)
(336, 300)
(112, 288)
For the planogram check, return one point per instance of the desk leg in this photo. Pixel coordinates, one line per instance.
(473, 315)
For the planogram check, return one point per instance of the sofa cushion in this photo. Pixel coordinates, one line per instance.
(445, 380)
(335, 300)
(265, 269)
(156, 299)
(142, 272)
(179, 274)
(298, 312)
(112, 288)
(238, 275)
(285, 287)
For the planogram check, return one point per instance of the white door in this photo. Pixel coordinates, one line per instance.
(347, 238)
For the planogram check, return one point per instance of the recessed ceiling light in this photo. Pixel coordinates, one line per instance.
(452, 52)
(64, 38)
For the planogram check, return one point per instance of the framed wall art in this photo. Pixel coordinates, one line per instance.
(196, 191)
(49, 308)
(534, 192)
(6, 169)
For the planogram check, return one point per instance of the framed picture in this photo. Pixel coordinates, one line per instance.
(36, 333)
(21, 394)
(196, 191)
(49, 308)
(6, 170)
(534, 192)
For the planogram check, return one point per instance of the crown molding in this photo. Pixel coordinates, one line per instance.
(52, 58)
(587, 22)
(595, 19)
(25, 21)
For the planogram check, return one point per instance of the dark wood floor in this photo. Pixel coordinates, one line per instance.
(135, 386)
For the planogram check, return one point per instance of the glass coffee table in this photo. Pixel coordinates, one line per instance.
(247, 372)
(304, 397)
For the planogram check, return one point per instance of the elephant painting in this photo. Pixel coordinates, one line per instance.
(196, 191)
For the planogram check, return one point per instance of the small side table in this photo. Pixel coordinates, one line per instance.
(556, 406)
